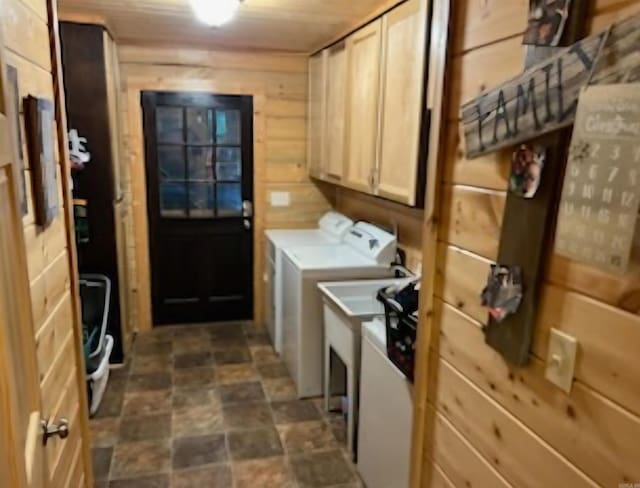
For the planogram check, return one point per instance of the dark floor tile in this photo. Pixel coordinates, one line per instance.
(193, 360)
(241, 393)
(135, 459)
(235, 355)
(201, 420)
(254, 444)
(152, 347)
(273, 370)
(120, 371)
(194, 397)
(147, 402)
(272, 472)
(236, 373)
(226, 331)
(101, 484)
(151, 363)
(322, 469)
(196, 451)
(111, 405)
(307, 437)
(262, 339)
(264, 354)
(104, 432)
(192, 343)
(247, 415)
(194, 377)
(280, 389)
(101, 462)
(224, 343)
(215, 476)
(295, 411)
(148, 382)
(145, 428)
(158, 481)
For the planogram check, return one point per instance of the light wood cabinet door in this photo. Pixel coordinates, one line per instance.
(317, 114)
(336, 112)
(401, 101)
(362, 106)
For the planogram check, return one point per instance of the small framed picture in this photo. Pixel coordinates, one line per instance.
(14, 98)
(39, 119)
(547, 19)
(527, 164)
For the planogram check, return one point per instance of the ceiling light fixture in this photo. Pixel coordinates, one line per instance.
(215, 12)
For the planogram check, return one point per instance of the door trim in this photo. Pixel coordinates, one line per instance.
(67, 201)
(139, 179)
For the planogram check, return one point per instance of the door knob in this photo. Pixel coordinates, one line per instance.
(247, 208)
(247, 224)
(61, 429)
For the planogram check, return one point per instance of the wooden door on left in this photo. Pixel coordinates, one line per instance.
(41, 369)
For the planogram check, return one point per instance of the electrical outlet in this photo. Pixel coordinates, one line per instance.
(561, 359)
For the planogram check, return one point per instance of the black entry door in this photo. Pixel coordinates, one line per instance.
(199, 161)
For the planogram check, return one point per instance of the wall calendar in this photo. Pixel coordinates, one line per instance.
(601, 193)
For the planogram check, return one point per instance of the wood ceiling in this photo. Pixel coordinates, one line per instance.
(279, 25)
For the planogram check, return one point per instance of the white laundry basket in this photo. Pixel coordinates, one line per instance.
(99, 378)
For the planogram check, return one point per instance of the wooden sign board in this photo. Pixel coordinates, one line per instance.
(601, 194)
(544, 98)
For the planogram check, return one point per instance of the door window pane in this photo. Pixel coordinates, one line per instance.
(227, 127)
(169, 124)
(229, 199)
(228, 171)
(200, 163)
(229, 165)
(171, 162)
(173, 199)
(201, 200)
(199, 125)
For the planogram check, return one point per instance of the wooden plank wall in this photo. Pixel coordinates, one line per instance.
(279, 85)
(490, 424)
(406, 220)
(28, 49)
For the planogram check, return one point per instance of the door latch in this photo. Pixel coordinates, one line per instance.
(61, 429)
(247, 209)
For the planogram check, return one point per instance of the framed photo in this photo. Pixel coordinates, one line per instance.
(547, 19)
(14, 97)
(39, 118)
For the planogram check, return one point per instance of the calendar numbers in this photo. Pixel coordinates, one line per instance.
(601, 196)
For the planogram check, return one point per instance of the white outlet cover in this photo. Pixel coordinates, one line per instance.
(280, 198)
(561, 359)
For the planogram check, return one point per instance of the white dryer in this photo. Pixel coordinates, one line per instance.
(331, 230)
(367, 252)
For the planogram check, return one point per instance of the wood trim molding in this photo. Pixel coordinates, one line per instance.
(436, 104)
(63, 145)
(139, 184)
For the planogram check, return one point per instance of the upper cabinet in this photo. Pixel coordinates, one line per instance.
(373, 106)
(316, 114)
(401, 102)
(335, 123)
(363, 48)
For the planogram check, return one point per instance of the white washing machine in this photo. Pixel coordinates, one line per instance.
(386, 414)
(331, 230)
(367, 252)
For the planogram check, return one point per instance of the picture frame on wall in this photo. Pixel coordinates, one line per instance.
(14, 97)
(39, 114)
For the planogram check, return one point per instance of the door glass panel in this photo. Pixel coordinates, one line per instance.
(229, 165)
(200, 163)
(199, 125)
(173, 199)
(229, 199)
(201, 200)
(227, 127)
(169, 124)
(228, 171)
(171, 162)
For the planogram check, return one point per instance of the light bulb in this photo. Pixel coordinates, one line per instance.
(215, 12)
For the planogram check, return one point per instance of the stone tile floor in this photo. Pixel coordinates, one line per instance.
(213, 406)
